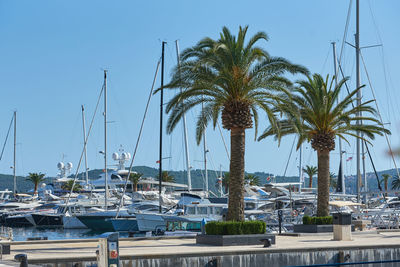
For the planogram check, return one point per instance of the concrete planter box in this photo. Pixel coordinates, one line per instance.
(233, 240)
(311, 228)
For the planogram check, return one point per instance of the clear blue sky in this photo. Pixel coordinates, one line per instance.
(52, 54)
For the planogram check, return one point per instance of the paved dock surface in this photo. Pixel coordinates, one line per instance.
(85, 249)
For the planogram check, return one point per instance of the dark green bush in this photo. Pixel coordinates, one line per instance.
(306, 219)
(235, 228)
(318, 220)
(215, 228)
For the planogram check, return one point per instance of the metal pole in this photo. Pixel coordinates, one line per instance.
(185, 130)
(161, 126)
(220, 185)
(205, 157)
(15, 153)
(340, 140)
(84, 144)
(105, 140)
(358, 84)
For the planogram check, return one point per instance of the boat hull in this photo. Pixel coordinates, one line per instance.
(18, 221)
(47, 220)
(97, 223)
(71, 222)
(125, 224)
(150, 222)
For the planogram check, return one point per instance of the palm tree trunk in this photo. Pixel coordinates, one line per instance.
(310, 184)
(323, 183)
(386, 187)
(35, 190)
(236, 172)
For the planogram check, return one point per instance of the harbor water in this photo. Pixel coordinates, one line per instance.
(22, 234)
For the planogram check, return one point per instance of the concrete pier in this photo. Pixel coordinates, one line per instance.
(289, 250)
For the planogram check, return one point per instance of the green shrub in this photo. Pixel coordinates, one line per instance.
(215, 228)
(306, 219)
(318, 220)
(235, 228)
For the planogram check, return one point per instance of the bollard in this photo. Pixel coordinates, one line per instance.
(108, 250)
(341, 226)
(23, 259)
(280, 213)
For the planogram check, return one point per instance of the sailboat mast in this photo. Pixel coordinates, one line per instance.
(189, 178)
(301, 168)
(15, 153)
(84, 144)
(340, 140)
(161, 126)
(358, 84)
(105, 141)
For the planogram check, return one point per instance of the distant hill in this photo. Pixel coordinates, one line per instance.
(198, 178)
(7, 182)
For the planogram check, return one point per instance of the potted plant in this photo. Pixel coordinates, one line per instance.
(232, 233)
(315, 225)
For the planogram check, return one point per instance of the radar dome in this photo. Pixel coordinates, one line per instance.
(60, 165)
(123, 156)
(69, 165)
(115, 156)
(128, 155)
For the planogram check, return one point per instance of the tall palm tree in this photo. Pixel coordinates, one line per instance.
(252, 179)
(166, 177)
(235, 79)
(385, 179)
(314, 114)
(67, 186)
(36, 179)
(310, 171)
(134, 178)
(395, 182)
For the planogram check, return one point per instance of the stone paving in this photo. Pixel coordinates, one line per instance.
(86, 250)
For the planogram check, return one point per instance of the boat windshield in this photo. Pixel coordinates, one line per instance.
(183, 226)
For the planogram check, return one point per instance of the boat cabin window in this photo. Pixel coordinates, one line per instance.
(201, 210)
(147, 206)
(114, 177)
(190, 210)
(9, 207)
(218, 210)
(250, 206)
(46, 206)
